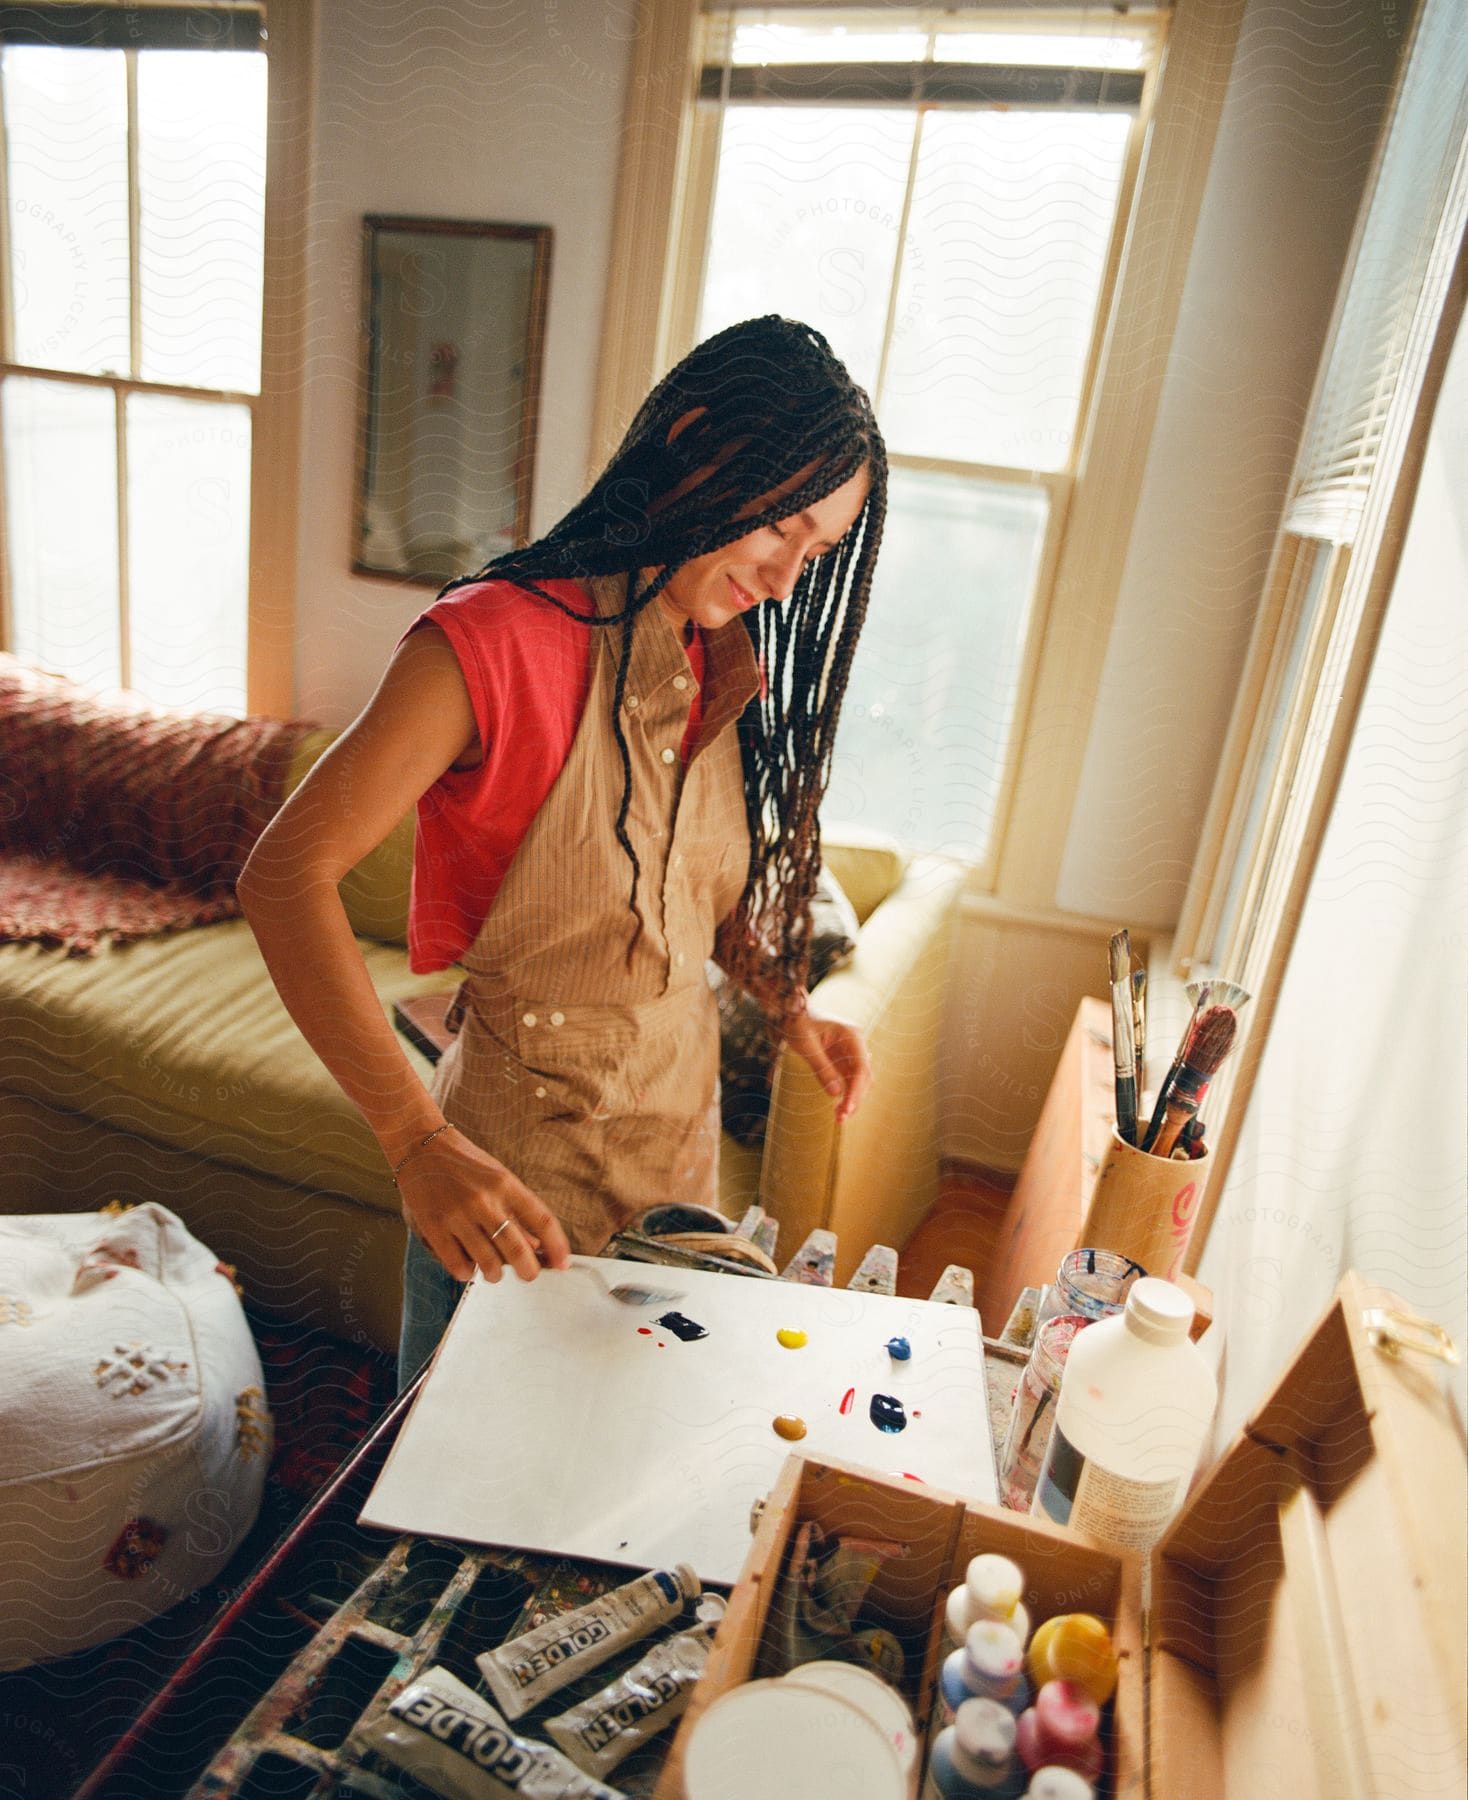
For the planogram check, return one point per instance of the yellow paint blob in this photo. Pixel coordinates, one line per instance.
(792, 1340)
(789, 1427)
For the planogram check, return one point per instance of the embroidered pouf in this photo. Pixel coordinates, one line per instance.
(134, 1436)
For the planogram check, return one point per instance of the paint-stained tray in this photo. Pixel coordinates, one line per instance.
(426, 1602)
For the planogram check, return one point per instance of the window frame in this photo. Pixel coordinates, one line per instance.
(649, 324)
(690, 259)
(275, 411)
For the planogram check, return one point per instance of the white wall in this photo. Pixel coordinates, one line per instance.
(1309, 84)
(1353, 1152)
(474, 110)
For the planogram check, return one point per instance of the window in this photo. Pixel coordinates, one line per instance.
(1335, 559)
(941, 195)
(132, 144)
(1335, 556)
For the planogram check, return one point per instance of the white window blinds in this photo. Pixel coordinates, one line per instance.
(1393, 291)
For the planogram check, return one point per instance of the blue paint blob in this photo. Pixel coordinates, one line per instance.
(887, 1413)
(898, 1349)
(689, 1330)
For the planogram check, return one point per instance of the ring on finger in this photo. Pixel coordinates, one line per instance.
(504, 1225)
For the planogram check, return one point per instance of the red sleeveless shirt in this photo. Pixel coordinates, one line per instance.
(527, 666)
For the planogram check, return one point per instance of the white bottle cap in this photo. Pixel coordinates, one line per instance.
(1158, 1311)
(957, 1615)
(994, 1586)
(995, 1655)
(1055, 1783)
(985, 1733)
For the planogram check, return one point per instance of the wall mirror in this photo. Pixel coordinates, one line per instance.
(453, 321)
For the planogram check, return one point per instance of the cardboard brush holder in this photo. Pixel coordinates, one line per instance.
(1145, 1206)
(1305, 1637)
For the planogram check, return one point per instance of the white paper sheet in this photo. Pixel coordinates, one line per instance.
(558, 1419)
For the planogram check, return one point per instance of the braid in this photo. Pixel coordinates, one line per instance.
(776, 399)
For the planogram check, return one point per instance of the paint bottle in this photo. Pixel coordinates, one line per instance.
(990, 1666)
(973, 1758)
(1136, 1401)
(1060, 1730)
(990, 1589)
(1074, 1647)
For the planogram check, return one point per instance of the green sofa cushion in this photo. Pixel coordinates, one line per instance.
(183, 1039)
(868, 864)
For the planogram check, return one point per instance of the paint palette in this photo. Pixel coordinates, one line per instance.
(554, 1419)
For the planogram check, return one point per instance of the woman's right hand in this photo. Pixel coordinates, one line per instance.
(456, 1198)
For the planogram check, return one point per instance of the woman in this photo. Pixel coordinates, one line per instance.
(617, 738)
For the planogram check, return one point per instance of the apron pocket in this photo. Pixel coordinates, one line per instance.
(575, 1059)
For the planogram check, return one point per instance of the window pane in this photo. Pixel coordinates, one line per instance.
(805, 218)
(66, 127)
(1010, 222)
(1310, 581)
(201, 182)
(188, 466)
(930, 706)
(61, 518)
(770, 41)
(1102, 48)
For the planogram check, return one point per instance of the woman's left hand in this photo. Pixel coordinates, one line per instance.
(837, 1053)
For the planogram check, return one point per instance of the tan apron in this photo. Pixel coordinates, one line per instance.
(595, 1080)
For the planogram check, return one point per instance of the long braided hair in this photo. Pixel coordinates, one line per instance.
(776, 399)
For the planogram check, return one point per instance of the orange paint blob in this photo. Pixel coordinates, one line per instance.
(789, 1427)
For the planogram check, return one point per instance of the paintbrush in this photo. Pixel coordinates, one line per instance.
(1221, 993)
(628, 1293)
(1123, 1046)
(1202, 994)
(1139, 1028)
(1211, 1041)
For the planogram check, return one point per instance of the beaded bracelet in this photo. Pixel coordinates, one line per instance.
(423, 1144)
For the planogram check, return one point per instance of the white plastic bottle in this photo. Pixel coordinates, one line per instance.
(1136, 1400)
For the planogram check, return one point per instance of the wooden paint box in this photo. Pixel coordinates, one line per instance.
(1305, 1636)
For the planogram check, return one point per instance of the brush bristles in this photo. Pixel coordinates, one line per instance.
(1212, 1039)
(1121, 956)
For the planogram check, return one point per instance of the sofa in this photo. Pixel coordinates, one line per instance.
(167, 1069)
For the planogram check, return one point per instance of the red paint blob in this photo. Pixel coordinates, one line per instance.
(846, 1403)
(916, 1414)
(917, 1478)
(644, 1331)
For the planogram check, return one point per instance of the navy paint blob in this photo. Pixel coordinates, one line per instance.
(887, 1413)
(899, 1349)
(686, 1329)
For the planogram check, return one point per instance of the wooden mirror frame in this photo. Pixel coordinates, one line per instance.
(374, 227)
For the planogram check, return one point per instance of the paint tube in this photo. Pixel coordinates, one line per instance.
(598, 1733)
(522, 1672)
(453, 1741)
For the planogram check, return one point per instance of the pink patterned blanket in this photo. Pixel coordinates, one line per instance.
(121, 820)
